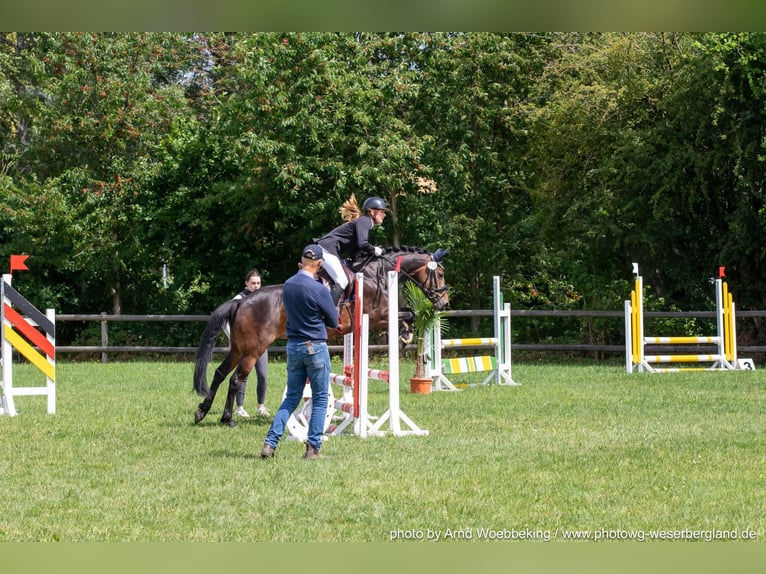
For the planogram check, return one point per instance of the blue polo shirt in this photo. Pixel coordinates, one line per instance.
(309, 308)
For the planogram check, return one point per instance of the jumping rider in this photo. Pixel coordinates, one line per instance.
(350, 239)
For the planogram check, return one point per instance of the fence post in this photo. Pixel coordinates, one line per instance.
(104, 337)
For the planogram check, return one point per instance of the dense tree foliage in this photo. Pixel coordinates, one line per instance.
(146, 173)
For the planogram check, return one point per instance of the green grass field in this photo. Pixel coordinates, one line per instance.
(575, 451)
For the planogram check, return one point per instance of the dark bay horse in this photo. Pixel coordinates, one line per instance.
(259, 319)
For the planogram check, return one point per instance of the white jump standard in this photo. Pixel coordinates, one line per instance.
(498, 364)
(33, 335)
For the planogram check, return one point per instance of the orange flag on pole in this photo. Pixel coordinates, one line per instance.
(18, 263)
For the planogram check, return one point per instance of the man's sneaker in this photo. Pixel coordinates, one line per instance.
(263, 411)
(242, 413)
(267, 451)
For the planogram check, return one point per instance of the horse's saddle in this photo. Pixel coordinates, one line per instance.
(348, 293)
(350, 267)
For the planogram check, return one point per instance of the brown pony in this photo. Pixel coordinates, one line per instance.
(259, 319)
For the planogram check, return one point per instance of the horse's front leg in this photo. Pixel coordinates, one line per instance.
(406, 328)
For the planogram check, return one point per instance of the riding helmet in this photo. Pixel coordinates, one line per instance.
(374, 202)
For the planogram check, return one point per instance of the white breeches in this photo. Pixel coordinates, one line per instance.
(335, 269)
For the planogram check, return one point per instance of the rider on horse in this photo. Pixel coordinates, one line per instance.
(350, 239)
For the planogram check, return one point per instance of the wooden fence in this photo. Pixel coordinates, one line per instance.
(104, 349)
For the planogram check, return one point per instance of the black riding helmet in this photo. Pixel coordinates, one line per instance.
(374, 202)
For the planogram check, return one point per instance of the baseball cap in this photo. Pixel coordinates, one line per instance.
(312, 251)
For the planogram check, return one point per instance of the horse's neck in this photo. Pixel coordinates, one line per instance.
(376, 273)
(410, 262)
(408, 267)
(376, 269)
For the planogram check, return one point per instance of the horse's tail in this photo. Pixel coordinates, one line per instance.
(218, 319)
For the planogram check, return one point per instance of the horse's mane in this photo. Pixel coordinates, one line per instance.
(436, 256)
(362, 261)
(404, 249)
(391, 250)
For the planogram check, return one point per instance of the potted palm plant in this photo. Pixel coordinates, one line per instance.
(425, 318)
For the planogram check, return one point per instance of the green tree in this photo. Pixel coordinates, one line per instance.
(600, 99)
(309, 120)
(109, 100)
(648, 148)
(472, 106)
(709, 168)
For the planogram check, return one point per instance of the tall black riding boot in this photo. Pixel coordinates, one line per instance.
(336, 291)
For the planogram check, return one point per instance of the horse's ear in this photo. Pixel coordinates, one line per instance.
(439, 254)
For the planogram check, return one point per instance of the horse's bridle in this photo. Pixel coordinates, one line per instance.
(430, 286)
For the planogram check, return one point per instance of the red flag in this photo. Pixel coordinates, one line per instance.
(721, 272)
(18, 263)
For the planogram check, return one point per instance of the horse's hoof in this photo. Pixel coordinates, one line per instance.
(230, 422)
(199, 415)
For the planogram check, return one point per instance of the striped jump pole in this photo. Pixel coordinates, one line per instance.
(725, 341)
(394, 420)
(498, 365)
(33, 335)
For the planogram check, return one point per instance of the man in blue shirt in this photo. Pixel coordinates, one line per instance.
(310, 311)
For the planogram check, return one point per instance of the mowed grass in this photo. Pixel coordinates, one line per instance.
(580, 447)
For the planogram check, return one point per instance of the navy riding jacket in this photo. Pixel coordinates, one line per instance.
(349, 239)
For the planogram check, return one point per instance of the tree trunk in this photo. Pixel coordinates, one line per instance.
(394, 220)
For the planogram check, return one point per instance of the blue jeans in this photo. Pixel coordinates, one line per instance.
(302, 363)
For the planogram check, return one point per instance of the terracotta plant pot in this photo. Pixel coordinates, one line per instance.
(420, 386)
